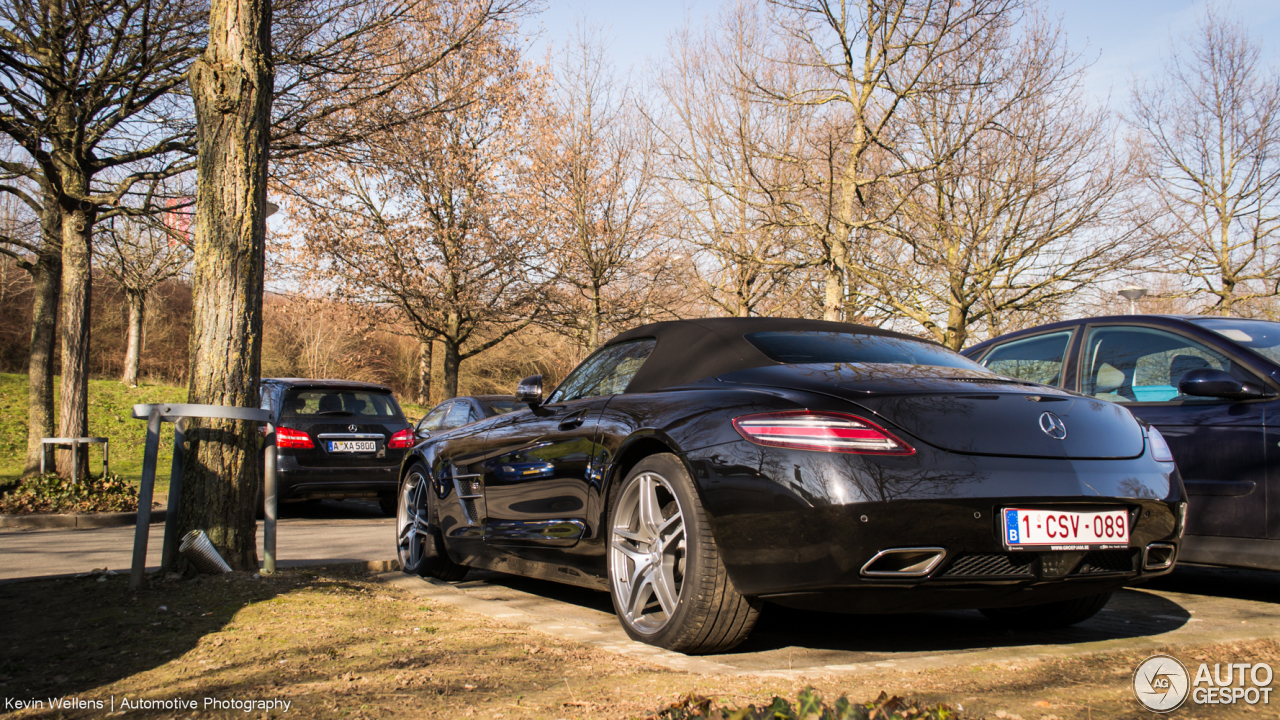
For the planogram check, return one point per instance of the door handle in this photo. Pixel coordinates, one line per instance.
(574, 420)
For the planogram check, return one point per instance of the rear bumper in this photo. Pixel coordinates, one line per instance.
(297, 482)
(799, 528)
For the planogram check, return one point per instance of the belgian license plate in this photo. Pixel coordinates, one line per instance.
(353, 446)
(1061, 530)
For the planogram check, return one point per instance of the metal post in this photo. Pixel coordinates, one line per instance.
(269, 503)
(75, 462)
(144, 498)
(106, 453)
(175, 497)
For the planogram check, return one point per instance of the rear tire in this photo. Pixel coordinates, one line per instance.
(1049, 616)
(419, 542)
(669, 585)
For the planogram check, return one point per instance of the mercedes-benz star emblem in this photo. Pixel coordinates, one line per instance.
(353, 428)
(1053, 426)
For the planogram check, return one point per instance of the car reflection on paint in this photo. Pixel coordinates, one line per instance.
(696, 469)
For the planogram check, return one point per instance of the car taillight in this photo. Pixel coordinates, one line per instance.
(401, 440)
(1160, 451)
(290, 438)
(828, 432)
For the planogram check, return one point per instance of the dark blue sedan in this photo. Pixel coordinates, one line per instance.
(1211, 385)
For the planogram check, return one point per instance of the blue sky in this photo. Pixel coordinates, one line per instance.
(1123, 38)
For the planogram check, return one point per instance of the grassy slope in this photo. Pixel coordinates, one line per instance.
(110, 416)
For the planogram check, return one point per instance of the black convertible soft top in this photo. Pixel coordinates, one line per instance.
(691, 350)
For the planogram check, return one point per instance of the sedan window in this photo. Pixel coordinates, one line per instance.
(435, 418)
(1134, 364)
(1261, 336)
(458, 415)
(607, 372)
(1037, 359)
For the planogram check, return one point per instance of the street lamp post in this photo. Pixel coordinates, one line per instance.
(1132, 294)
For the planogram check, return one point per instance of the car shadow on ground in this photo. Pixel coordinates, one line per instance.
(1255, 585)
(331, 510)
(825, 638)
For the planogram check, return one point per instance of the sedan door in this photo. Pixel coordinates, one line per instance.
(1219, 444)
(546, 462)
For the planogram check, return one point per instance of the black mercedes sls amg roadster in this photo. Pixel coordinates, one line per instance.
(695, 469)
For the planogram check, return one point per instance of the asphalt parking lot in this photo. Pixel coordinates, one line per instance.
(319, 533)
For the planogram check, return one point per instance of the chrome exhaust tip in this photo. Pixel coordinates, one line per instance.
(1158, 556)
(904, 562)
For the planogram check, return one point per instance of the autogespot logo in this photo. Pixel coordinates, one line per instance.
(1161, 683)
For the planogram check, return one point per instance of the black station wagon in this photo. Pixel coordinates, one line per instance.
(336, 439)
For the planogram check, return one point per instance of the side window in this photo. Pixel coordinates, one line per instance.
(1037, 359)
(266, 394)
(607, 372)
(474, 416)
(1133, 364)
(457, 416)
(432, 421)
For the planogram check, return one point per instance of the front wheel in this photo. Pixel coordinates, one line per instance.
(670, 587)
(419, 543)
(1048, 616)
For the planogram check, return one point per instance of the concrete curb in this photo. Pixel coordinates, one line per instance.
(84, 520)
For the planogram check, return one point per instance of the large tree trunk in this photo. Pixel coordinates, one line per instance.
(77, 276)
(231, 85)
(424, 372)
(46, 274)
(452, 361)
(133, 345)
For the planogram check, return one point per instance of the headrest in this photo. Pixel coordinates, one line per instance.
(330, 403)
(1109, 379)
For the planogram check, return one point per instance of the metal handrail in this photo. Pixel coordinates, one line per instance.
(175, 413)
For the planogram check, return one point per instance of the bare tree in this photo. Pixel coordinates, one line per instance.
(86, 89)
(430, 221)
(855, 66)
(594, 174)
(1022, 204)
(140, 253)
(721, 145)
(1211, 130)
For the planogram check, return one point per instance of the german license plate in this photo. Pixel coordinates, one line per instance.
(1061, 530)
(353, 446)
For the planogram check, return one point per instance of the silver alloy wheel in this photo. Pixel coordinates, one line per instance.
(411, 522)
(647, 551)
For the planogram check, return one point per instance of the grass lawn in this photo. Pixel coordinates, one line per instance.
(110, 416)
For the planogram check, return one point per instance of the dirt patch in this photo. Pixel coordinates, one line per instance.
(343, 644)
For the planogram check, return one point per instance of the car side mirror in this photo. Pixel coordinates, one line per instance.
(1207, 382)
(423, 434)
(529, 391)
